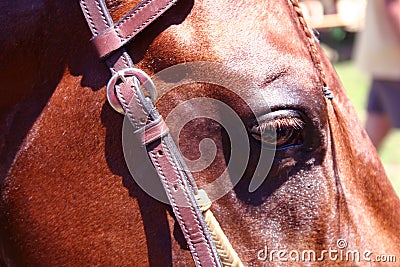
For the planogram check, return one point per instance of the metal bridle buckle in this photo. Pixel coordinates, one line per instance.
(144, 79)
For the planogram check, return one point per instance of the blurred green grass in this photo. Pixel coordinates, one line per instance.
(356, 84)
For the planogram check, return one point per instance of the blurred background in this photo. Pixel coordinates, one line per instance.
(338, 24)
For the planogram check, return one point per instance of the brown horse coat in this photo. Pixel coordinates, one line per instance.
(67, 198)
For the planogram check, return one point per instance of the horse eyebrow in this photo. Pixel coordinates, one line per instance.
(270, 77)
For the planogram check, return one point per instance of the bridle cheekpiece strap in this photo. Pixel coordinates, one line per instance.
(126, 96)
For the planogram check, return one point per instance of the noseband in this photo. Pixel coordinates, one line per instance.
(207, 243)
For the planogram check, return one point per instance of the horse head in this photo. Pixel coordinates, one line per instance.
(230, 75)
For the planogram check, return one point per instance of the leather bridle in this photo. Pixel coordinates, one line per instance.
(126, 96)
(124, 92)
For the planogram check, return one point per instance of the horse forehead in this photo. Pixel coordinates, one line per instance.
(253, 37)
(249, 22)
(258, 41)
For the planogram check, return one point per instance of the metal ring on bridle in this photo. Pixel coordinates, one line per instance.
(143, 78)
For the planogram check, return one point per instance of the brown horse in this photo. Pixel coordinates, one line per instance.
(68, 199)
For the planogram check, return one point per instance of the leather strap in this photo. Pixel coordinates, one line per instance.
(183, 203)
(109, 36)
(130, 25)
(154, 132)
(173, 174)
(145, 119)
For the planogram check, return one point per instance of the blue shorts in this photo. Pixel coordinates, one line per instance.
(384, 98)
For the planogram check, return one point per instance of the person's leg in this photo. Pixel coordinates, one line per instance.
(377, 126)
(378, 123)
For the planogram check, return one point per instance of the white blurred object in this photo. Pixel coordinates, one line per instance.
(313, 11)
(351, 13)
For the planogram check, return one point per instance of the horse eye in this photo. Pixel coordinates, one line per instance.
(280, 131)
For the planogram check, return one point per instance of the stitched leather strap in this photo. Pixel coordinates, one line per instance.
(109, 36)
(154, 132)
(172, 171)
(130, 25)
(146, 120)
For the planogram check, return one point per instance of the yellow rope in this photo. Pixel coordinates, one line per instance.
(225, 250)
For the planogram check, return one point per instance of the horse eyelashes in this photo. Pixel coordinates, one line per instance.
(281, 132)
(281, 123)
